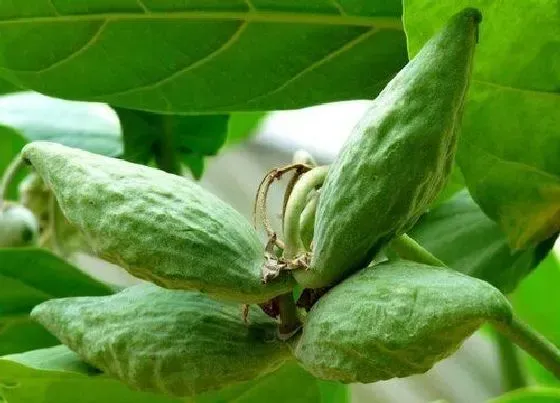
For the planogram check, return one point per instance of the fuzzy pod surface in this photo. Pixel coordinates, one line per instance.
(395, 319)
(179, 343)
(159, 227)
(398, 157)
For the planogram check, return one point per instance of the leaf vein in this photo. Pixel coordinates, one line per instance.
(196, 64)
(497, 159)
(143, 6)
(514, 89)
(339, 7)
(92, 41)
(325, 59)
(54, 7)
(388, 22)
(250, 5)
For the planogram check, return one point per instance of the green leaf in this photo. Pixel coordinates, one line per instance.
(333, 392)
(290, 383)
(57, 375)
(530, 395)
(394, 319)
(6, 87)
(460, 234)
(172, 139)
(212, 56)
(11, 143)
(195, 162)
(29, 277)
(89, 126)
(510, 145)
(537, 302)
(243, 125)
(178, 343)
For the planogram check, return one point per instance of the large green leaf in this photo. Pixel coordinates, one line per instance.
(6, 86)
(510, 144)
(27, 278)
(460, 234)
(172, 139)
(57, 375)
(530, 395)
(537, 302)
(213, 55)
(86, 125)
(11, 143)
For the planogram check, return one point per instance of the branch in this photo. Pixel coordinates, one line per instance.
(532, 342)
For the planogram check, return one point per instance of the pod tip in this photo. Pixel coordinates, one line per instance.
(473, 13)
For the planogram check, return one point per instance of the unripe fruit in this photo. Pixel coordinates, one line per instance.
(179, 343)
(397, 159)
(395, 319)
(160, 227)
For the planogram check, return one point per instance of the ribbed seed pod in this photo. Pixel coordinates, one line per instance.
(180, 343)
(159, 227)
(394, 320)
(398, 157)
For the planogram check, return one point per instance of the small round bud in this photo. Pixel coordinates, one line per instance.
(18, 226)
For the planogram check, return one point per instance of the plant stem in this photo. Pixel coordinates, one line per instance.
(512, 373)
(307, 221)
(408, 248)
(301, 157)
(532, 342)
(289, 319)
(294, 207)
(8, 177)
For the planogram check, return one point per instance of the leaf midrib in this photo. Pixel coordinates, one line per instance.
(392, 23)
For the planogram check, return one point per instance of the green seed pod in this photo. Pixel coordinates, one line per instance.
(18, 226)
(397, 159)
(179, 343)
(159, 227)
(394, 320)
